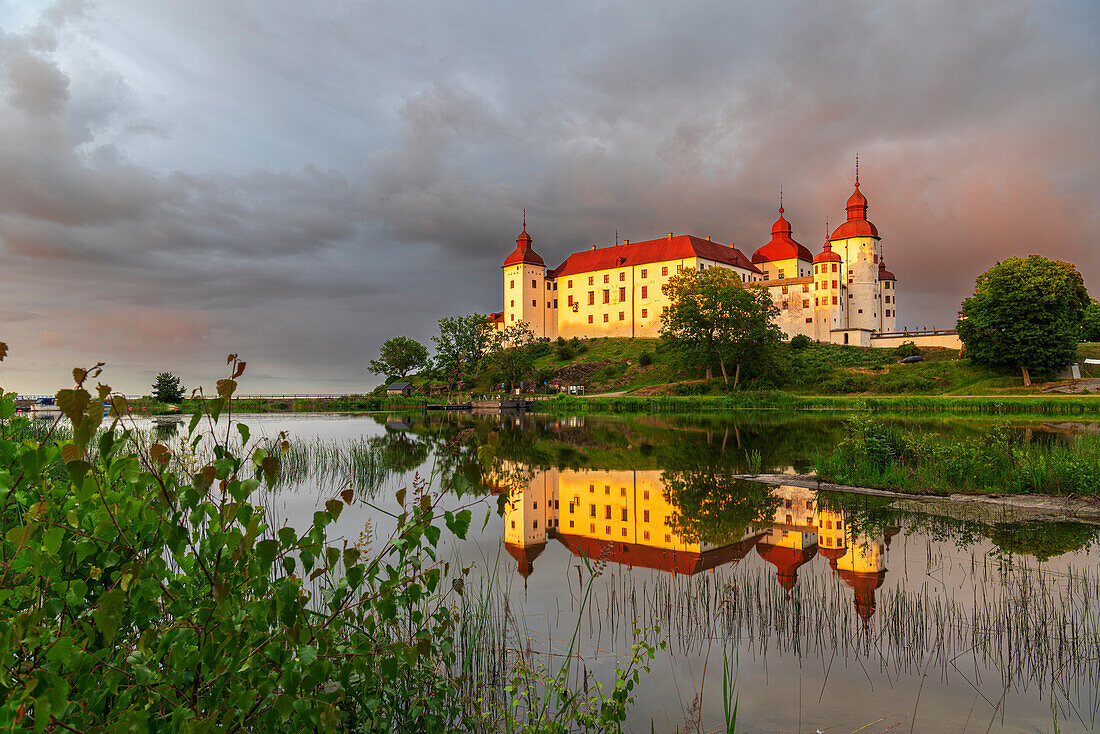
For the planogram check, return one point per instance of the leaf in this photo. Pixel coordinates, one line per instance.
(71, 452)
(73, 403)
(270, 468)
(459, 523)
(245, 435)
(3, 351)
(108, 613)
(226, 387)
(334, 507)
(158, 452)
(347, 495)
(240, 370)
(194, 422)
(79, 375)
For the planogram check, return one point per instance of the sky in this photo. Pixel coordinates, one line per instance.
(297, 182)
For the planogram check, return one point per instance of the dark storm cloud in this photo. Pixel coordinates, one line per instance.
(299, 182)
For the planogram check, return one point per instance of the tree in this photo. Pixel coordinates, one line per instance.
(459, 345)
(1090, 322)
(713, 317)
(398, 357)
(168, 388)
(1025, 313)
(508, 352)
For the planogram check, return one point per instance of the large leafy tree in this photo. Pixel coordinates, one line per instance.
(398, 357)
(1090, 322)
(713, 317)
(509, 354)
(1025, 313)
(168, 388)
(459, 345)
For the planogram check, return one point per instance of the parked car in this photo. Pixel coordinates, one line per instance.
(911, 360)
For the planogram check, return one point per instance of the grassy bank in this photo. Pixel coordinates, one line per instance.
(1015, 405)
(340, 404)
(880, 455)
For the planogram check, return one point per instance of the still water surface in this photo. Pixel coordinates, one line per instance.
(839, 613)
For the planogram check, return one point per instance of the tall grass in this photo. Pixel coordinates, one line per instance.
(878, 454)
(326, 463)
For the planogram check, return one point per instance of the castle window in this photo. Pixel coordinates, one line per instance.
(645, 273)
(607, 512)
(784, 305)
(511, 284)
(555, 285)
(646, 535)
(624, 514)
(622, 316)
(664, 271)
(834, 284)
(860, 310)
(534, 284)
(555, 303)
(805, 287)
(834, 267)
(888, 312)
(570, 523)
(513, 317)
(606, 295)
(816, 301)
(590, 318)
(622, 492)
(590, 278)
(668, 538)
(548, 304)
(591, 527)
(817, 285)
(645, 515)
(781, 275)
(535, 525)
(645, 291)
(591, 298)
(569, 284)
(606, 278)
(606, 317)
(512, 303)
(622, 294)
(809, 321)
(645, 494)
(570, 301)
(547, 285)
(645, 313)
(591, 510)
(513, 525)
(607, 529)
(834, 303)
(534, 302)
(805, 304)
(784, 287)
(622, 275)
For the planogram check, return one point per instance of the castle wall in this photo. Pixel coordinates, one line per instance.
(860, 257)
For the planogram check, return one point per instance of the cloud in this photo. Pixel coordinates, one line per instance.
(299, 183)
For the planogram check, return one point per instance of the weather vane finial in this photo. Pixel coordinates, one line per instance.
(525, 216)
(780, 199)
(857, 169)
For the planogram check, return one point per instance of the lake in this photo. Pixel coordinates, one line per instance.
(835, 612)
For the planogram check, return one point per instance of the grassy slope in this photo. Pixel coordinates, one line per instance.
(820, 369)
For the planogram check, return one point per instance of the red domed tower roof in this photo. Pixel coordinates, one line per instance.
(883, 273)
(857, 224)
(833, 554)
(523, 252)
(786, 561)
(525, 555)
(827, 255)
(864, 586)
(782, 246)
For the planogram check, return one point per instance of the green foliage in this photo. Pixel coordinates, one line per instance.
(1090, 322)
(510, 355)
(645, 359)
(800, 341)
(1025, 313)
(459, 345)
(879, 454)
(137, 596)
(168, 388)
(713, 318)
(906, 349)
(398, 357)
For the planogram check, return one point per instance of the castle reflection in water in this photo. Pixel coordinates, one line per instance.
(623, 517)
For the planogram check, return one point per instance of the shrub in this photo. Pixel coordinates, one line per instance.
(906, 349)
(800, 342)
(645, 358)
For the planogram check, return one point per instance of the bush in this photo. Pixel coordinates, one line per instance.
(645, 358)
(800, 342)
(564, 351)
(906, 349)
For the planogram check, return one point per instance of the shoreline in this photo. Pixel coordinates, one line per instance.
(1013, 507)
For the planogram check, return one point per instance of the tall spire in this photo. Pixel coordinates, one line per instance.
(780, 199)
(857, 170)
(525, 208)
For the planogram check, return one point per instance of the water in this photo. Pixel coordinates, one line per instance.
(841, 613)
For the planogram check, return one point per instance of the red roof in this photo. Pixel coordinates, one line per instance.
(646, 556)
(652, 251)
(857, 224)
(523, 252)
(833, 554)
(782, 246)
(525, 555)
(864, 585)
(787, 561)
(827, 255)
(497, 317)
(883, 273)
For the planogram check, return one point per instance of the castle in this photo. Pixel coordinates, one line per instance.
(842, 295)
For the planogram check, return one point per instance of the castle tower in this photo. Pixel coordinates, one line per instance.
(530, 514)
(782, 257)
(525, 293)
(828, 293)
(857, 243)
(888, 297)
